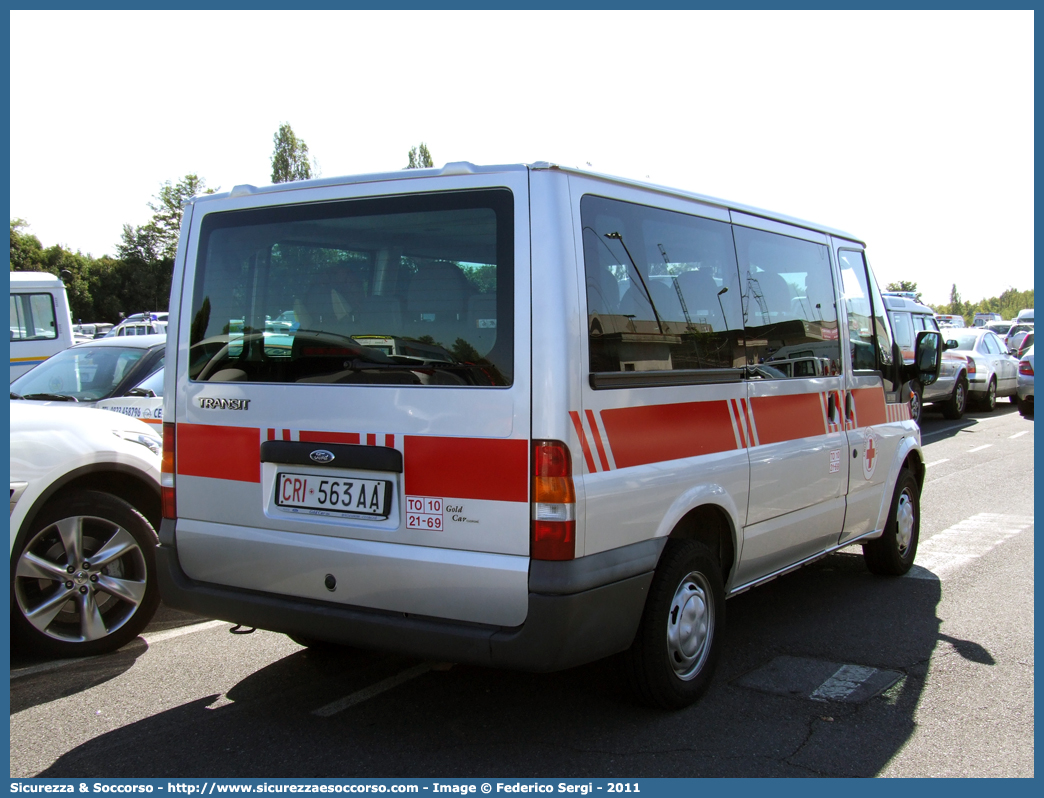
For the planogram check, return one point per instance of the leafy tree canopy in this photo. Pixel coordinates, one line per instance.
(420, 157)
(290, 157)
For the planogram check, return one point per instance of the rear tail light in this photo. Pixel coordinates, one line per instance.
(554, 503)
(167, 497)
(971, 367)
(1026, 368)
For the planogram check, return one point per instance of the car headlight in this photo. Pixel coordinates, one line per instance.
(152, 442)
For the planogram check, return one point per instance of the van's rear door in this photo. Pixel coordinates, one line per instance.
(352, 404)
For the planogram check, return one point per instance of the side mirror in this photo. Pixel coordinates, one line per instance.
(951, 344)
(928, 357)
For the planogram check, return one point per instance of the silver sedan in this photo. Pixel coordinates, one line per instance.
(992, 372)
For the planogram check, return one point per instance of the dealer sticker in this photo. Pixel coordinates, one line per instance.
(423, 512)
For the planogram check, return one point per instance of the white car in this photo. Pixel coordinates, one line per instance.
(85, 501)
(144, 401)
(992, 372)
(1026, 384)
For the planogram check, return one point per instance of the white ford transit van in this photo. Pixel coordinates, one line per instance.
(594, 439)
(40, 321)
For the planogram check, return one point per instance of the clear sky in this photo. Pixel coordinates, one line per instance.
(911, 130)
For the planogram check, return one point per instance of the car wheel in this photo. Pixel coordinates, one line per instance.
(893, 553)
(989, 401)
(1026, 408)
(916, 401)
(953, 408)
(1014, 398)
(672, 659)
(83, 579)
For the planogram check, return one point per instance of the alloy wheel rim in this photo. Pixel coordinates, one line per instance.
(80, 579)
(690, 625)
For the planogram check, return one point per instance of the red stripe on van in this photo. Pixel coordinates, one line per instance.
(640, 435)
(219, 452)
(467, 468)
(579, 427)
(870, 406)
(311, 436)
(787, 418)
(597, 439)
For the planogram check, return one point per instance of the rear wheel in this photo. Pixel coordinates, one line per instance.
(672, 659)
(893, 553)
(83, 580)
(953, 408)
(1026, 408)
(989, 401)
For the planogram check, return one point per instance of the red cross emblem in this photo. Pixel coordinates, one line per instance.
(870, 454)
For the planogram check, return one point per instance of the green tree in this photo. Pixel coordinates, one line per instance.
(146, 253)
(420, 157)
(26, 249)
(168, 209)
(290, 157)
(956, 308)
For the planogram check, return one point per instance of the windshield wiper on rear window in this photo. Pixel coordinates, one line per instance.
(50, 397)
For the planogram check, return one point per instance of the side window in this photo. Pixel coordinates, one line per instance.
(789, 312)
(904, 332)
(868, 330)
(991, 345)
(33, 317)
(662, 292)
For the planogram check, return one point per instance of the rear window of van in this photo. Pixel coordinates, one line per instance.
(413, 290)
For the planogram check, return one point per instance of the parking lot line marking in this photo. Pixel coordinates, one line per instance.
(159, 637)
(1019, 434)
(962, 543)
(359, 696)
(843, 683)
(937, 462)
(980, 448)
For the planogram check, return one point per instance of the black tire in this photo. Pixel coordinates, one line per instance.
(916, 401)
(99, 552)
(672, 660)
(988, 403)
(1026, 408)
(1014, 398)
(893, 553)
(954, 407)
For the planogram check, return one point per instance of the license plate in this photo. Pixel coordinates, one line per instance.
(309, 493)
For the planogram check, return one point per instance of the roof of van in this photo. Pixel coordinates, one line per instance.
(466, 168)
(893, 302)
(35, 280)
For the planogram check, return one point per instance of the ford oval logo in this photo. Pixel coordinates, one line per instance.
(322, 456)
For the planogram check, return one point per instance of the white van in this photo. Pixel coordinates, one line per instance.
(605, 455)
(40, 321)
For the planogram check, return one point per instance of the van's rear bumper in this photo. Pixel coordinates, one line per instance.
(586, 609)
